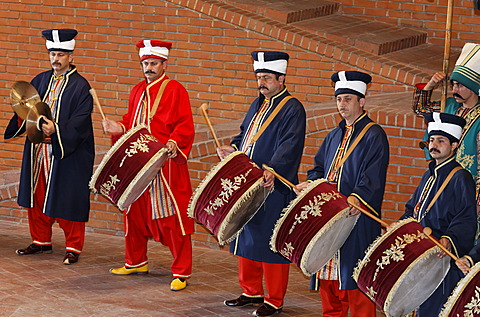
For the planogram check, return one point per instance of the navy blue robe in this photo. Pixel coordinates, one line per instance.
(363, 175)
(474, 255)
(68, 194)
(453, 216)
(280, 147)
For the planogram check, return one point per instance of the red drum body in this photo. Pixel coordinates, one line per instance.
(401, 269)
(129, 167)
(229, 196)
(465, 299)
(313, 227)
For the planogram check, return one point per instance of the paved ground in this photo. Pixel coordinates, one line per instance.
(40, 285)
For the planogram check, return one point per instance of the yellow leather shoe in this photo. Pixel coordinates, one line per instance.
(126, 271)
(177, 284)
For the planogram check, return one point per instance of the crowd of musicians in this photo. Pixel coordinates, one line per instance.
(55, 173)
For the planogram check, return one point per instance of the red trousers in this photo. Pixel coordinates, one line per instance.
(41, 224)
(250, 274)
(140, 227)
(336, 302)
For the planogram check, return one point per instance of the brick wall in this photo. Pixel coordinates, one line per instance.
(210, 57)
(427, 15)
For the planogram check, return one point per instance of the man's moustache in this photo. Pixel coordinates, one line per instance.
(149, 72)
(433, 150)
(262, 87)
(458, 96)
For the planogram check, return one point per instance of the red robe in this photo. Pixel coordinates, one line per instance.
(172, 121)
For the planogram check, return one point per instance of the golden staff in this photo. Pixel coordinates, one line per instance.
(446, 53)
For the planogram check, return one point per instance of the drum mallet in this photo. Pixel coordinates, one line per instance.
(428, 232)
(203, 109)
(280, 177)
(351, 202)
(97, 102)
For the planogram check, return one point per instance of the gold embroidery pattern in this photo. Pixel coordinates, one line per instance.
(314, 207)
(395, 252)
(106, 187)
(472, 114)
(228, 189)
(287, 250)
(371, 292)
(465, 160)
(473, 308)
(140, 145)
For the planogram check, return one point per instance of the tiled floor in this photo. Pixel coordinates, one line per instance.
(40, 285)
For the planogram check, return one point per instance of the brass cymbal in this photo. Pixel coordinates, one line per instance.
(34, 121)
(23, 97)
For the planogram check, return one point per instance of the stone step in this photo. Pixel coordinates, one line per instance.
(425, 57)
(378, 38)
(323, 18)
(287, 11)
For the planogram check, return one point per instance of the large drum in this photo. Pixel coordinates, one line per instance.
(313, 227)
(465, 299)
(229, 196)
(129, 167)
(401, 269)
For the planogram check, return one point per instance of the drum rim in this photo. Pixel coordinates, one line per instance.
(459, 288)
(320, 233)
(246, 196)
(431, 252)
(122, 200)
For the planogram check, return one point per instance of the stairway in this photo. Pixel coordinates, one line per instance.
(397, 46)
(324, 18)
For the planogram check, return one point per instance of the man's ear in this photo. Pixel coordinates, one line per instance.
(362, 102)
(454, 145)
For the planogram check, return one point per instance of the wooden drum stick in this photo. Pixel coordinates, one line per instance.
(428, 232)
(203, 109)
(280, 177)
(366, 212)
(97, 102)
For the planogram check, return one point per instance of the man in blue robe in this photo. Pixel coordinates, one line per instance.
(465, 102)
(280, 147)
(362, 177)
(452, 216)
(55, 173)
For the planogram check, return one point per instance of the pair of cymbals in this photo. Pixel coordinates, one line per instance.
(27, 104)
(23, 96)
(35, 120)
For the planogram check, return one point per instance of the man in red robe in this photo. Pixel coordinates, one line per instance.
(160, 213)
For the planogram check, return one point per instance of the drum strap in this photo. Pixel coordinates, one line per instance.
(269, 119)
(355, 143)
(445, 183)
(157, 99)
